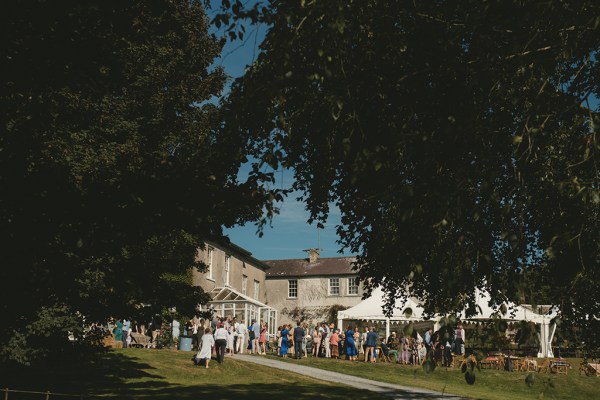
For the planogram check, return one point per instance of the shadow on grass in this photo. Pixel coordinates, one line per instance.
(265, 391)
(100, 372)
(118, 375)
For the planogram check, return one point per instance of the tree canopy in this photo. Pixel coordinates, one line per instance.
(459, 140)
(112, 173)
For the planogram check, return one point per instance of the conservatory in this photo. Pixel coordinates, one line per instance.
(227, 301)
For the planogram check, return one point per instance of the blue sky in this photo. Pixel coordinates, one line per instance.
(289, 234)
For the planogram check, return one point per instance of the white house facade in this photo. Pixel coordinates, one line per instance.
(309, 288)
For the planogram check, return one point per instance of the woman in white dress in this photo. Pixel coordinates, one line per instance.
(206, 345)
(229, 348)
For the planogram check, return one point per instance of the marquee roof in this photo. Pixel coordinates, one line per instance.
(371, 309)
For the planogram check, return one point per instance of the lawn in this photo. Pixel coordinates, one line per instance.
(168, 374)
(489, 384)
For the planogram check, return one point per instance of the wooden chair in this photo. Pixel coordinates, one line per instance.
(545, 367)
(500, 363)
(530, 365)
(518, 364)
(109, 341)
(583, 370)
(457, 360)
(381, 357)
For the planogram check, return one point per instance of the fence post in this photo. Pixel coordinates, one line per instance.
(6, 394)
(48, 395)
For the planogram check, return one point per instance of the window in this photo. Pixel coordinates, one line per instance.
(352, 286)
(227, 264)
(293, 289)
(209, 262)
(256, 289)
(334, 286)
(244, 283)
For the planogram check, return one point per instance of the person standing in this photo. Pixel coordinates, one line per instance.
(156, 327)
(118, 331)
(284, 341)
(405, 349)
(194, 322)
(176, 327)
(370, 344)
(305, 340)
(316, 336)
(241, 337)
(206, 344)
(262, 339)
(333, 344)
(459, 339)
(220, 342)
(447, 354)
(429, 342)
(298, 338)
(357, 340)
(327, 341)
(126, 329)
(256, 338)
(363, 340)
(235, 334)
(351, 352)
(229, 349)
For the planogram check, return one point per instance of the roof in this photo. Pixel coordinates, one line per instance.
(230, 295)
(238, 252)
(301, 267)
(372, 309)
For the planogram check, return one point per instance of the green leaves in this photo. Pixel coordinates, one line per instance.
(463, 145)
(112, 169)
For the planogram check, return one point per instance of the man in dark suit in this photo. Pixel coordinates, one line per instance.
(298, 338)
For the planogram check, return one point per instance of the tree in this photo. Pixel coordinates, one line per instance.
(112, 173)
(459, 140)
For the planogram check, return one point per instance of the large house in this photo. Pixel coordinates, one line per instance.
(236, 283)
(275, 291)
(311, 288)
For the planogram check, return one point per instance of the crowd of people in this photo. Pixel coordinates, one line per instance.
(227, 336)
(324, 340)
(127, 332)
(223, 336)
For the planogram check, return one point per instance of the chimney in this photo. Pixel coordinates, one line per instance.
(313, 255)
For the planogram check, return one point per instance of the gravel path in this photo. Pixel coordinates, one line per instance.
(388, 389)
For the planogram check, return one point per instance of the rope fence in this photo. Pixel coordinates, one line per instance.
(48, 395)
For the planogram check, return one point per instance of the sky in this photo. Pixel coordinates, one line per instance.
(289, 234)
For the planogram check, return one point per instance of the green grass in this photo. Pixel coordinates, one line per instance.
(166, 374)
(169, 374)
(489, 384)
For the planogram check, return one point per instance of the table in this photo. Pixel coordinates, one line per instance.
(559, 366)
(139, 340)
(589, 369)
(489, 363)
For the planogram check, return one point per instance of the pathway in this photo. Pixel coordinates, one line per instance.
(389, 389)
